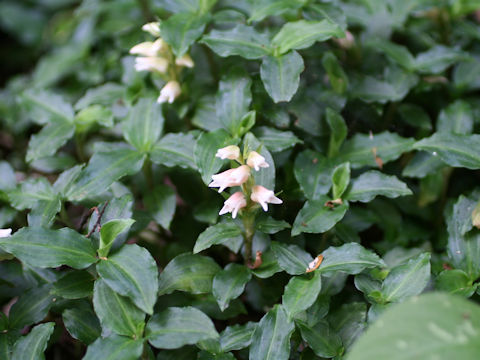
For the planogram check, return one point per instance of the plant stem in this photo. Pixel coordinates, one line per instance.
(64, 216)
(249, 225)
(79, 147)
(148, 173)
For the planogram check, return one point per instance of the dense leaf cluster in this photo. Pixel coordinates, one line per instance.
(365, 117)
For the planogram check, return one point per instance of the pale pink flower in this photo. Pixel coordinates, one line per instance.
(148, 48)
(152, 28)
(185, 60)
(347, 42)
(231, 152)
(263, 196)
(5, 233)
(151, 64)
(256, 161)
(232, 177)
(234, 203)
(169, 92)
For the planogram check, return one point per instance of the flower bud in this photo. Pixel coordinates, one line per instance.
(169, 92)
(347, 42)
(185, 60)
(152, 28)
(148, 48)
(151, 64)
(5, 233)
(263, 196)
(232, 177)
(231, 152)
(233, 204)
(256, 161)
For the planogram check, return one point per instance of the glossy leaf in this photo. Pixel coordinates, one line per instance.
(74, 285)
(281, 75)
(82, 323)
(336, 75)
(45, 107)
(455, 281)
(291, 258)
(174, 150)
(237, 337)
(161, 203)
(49, 140)
(322, 339)
(338, 131)
(109, 231)
(176, 327)
(313, 172)
(50, 248)
(31, 307)
(114, 347)
(301, 292)
(229, 283)
(276, 140)
(181, 30)
(132, 272)
(456, 118)
(218, 234)
(190, 273)
(33, 345)
(340, 180)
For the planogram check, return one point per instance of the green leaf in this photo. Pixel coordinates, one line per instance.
(262, 9)
(269, 265)
(109, 231)
(437, 59)
(302, 34)
(407, 280)
(269, 225)
(229, 283)
(276, 140)
(175, 150)
(161, 204)
(181, 30)
(281, 75)
(33, 345)
(455, 281)
(351, 258)
(233, 100)
(103, 169)
(74, 285)
(313, 172)
(338, 131)
(114, 347)
(340, 179)
(205, 114)
(359, 150)
(30, 192)
(291, 258)
(316, 217)
(322, 339)
(43, 213)
(432, 325)
(266, 176)
(373, 183)
(301, 292)
(31, 307)
(81, 322)
(271, 338)
(336, 76)
(190, 273)
(456, 118)
(50, 248)
(105, 94)
(132, 272)
(144, 124)
(423, 164)
(117, 313)
(49, 140)
(415, 116)
(397, 53)
(207, 145)
(241, 40)
(237, 337)
(454, 150)
(218, 234)
(176, 327)
(45, 107)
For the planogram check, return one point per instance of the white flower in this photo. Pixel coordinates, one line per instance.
(256, 161)
(185, 60)
(151, 64)
(5, 233)
(233, 204)
(231, 152)
(152, 28)
(232, 177)
(263, 196)
(169, 92)
(148, 48)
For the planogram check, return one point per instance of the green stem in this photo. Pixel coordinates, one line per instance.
(148, 173)
(79, 139)
(249, 226)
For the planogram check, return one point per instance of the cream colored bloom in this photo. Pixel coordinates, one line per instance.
(185, 60)
(231, 152)
(263, 196)
(148, 48)
(5, 233)
(151, 64)
(256, 161)
(169, 92)
(347, 42)
(152, 28)
(233, 204)
(232, 177)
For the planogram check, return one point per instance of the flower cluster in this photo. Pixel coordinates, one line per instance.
(240, 176)
(157, 57)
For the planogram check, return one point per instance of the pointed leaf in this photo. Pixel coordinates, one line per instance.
(313, 172)
(49, 140)
(301, 292)
(181, 30)
(237, 337)
(174, 150)
(33, 345)
(82, 323)
(31, 307)
(291, 258)
(114, 347)
(109, 231)
(217, 234)
(340, 179)
(322, 339)
(161, 204)
(229, 283)
(74, 285)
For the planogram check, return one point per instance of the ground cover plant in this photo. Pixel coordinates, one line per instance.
(263, 180)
